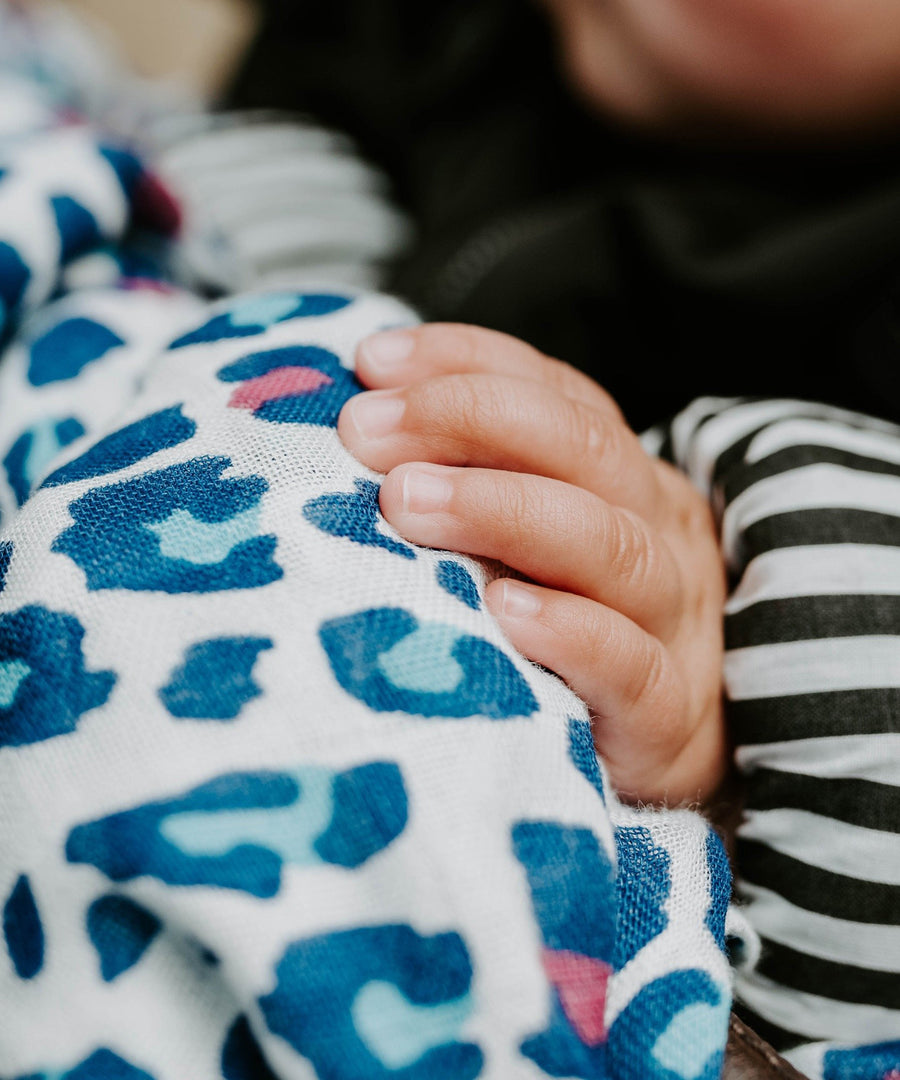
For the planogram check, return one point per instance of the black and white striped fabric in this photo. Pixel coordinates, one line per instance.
(809, 504)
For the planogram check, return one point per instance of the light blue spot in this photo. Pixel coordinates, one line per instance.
(690, 1040)
(290, 831)
(263, 310)
(423, 661)
(203, 543)
(12, 672)
(44, 448)
(397, 1032)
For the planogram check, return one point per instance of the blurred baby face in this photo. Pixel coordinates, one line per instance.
(789, 65)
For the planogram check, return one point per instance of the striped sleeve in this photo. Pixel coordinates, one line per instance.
(808, 499)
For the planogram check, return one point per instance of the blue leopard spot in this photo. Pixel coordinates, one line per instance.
(356, 516)
(33, 451)
(719, 887)
(101, 1065)
(104, 1065)
(643, 887)
(455, 579)
(6, 553)
(370, 810)
(126, 447)
(216, 679)
(44, 687)
(121, 931)
(23, 931)
(67, 348)
(584, 755)
(182, 529)
(126, 166)
(376, 1003)
(674, 1028)
(558, 1050)
(569, 873)
(253, 315)
(78, 228)
(300, 384)
(238, 831)
(878, 1061)
(387, 659)
(242, 1058)
(14, 278)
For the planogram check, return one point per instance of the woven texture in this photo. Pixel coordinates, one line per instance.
(276, 796)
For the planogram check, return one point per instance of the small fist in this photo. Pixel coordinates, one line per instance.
(494, 450)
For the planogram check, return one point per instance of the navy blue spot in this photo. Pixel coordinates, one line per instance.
(125, 165)
(23, 930)
(321, 405)
(491, 686)
(229, 325)
(370, 811)
(455, 579)
(319, 979)
(67, 348)
(131, 444)
(216, 679)
(584, 754)
(78, 228)
(643, 886)
(33, 451)
(719, 887)
(242, 1058)
(355, 515)
(878, 1061)
(6, 554)
(121, 932)
(44, 687)
(14, 278)
(569, 874)
(122, 532)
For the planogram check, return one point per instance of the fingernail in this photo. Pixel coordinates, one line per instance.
(376, 413)
(425, 490)
(517, 601)
(384, 353)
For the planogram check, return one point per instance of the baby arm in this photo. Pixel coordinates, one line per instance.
(492, 449)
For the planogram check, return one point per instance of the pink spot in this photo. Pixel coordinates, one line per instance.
(156, 206)
(281, 383)
(581, 984)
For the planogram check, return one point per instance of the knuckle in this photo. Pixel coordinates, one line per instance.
(593, 434)
(655, 689)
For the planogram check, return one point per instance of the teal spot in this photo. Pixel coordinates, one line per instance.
(203, 543)
(423, 661)
(691, 1039)
(12, 672)
(397, 1032)
(290, 831)
(263, 310)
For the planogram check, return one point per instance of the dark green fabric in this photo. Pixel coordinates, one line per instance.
(664, 272)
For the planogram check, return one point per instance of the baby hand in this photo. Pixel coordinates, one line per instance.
(493, 449)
